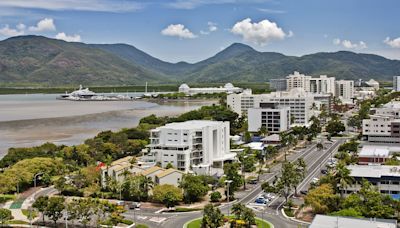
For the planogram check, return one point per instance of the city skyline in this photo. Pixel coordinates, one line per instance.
(196, 29)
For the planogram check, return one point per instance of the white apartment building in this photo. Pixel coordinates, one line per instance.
(197, 145)
(297, 100)
(228, 88)
(344, 89)
(396, 83)
(297, 80)
(383, 126)
(318, 85)
(275, 120)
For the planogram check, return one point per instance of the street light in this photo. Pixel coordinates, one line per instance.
(243, 172)
(228, 182)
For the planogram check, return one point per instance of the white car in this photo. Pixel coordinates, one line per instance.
(315, 180)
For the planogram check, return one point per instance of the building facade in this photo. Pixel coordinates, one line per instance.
(384, 177)
(344, 89)
(396, 83)
(278, 84)
(275, 120)
(383, 126)
(299, 102)
(228, 88)
(189, 144)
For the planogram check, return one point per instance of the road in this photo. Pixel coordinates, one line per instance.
(315, 160)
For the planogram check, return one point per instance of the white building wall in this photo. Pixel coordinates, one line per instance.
(258, 117)
(345, 89)
(173, 179)
(396, 83)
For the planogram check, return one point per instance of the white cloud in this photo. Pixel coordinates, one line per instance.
(21, 26)
(290, 34)
(350, 45)
(271, 11)
(46, 24)
(71, 38)
(395, 43)
(192, 4)
(212, 27)
(336, 41)
(7, 31)
(259, 33)
(178, 30)
(83, 5)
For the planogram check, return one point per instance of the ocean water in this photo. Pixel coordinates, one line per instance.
(29, 120)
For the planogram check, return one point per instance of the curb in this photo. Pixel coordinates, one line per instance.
(185, 225)
(293, 219)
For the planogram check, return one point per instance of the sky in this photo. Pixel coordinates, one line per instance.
(193, 30)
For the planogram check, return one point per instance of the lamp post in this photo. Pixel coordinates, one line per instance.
(243, 172)
(228, 182)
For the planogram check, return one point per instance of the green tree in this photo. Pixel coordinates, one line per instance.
(41, 205)
(169, 166)
(215, 196)
(212, 217)
(5, 215)
(320, 146)
(284, 184)
(231, 173)
(167, 194)
(193, 188)
(334, 127)
(263, 131)
(55, 208)
(242, 213)
(322, 199)
(342, 177)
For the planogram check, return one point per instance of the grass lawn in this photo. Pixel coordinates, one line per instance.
(260, 223)
(6, 197)
(26, 213)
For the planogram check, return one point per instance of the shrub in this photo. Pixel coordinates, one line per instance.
(215, 196)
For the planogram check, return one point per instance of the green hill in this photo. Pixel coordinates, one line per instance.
(36, 60)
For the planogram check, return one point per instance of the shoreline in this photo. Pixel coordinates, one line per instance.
(75, 129)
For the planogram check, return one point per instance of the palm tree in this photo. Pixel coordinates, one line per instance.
(237, 210)
(263, 131)
(342, 178)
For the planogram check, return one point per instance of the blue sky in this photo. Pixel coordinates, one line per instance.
(197, 29)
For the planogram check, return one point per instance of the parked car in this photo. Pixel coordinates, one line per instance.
(324, 171)
(268, 196)
(134, 205)
(304, 192)
(252, 181)
(261, 201)
(314, 180)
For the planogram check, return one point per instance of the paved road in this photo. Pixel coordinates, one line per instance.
(314, 159)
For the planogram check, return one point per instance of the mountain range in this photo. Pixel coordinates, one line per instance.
(37, 60)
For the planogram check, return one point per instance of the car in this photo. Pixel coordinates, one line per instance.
(134, 205)
(120, 203)
(314, 180)
(268, 196)
(252, 181)
(261, 201)
(304, 192)
(324, 171)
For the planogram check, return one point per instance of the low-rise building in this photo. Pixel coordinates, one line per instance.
(326, 221)
(373, 155)
(186, 145)
(385, 178)
(383, 126)
(169, 176)
(227, 88)
(119, 169)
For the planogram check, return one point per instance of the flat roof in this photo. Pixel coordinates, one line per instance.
(191, 124)
(374, 171)
(374, 151)
(324, 221)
